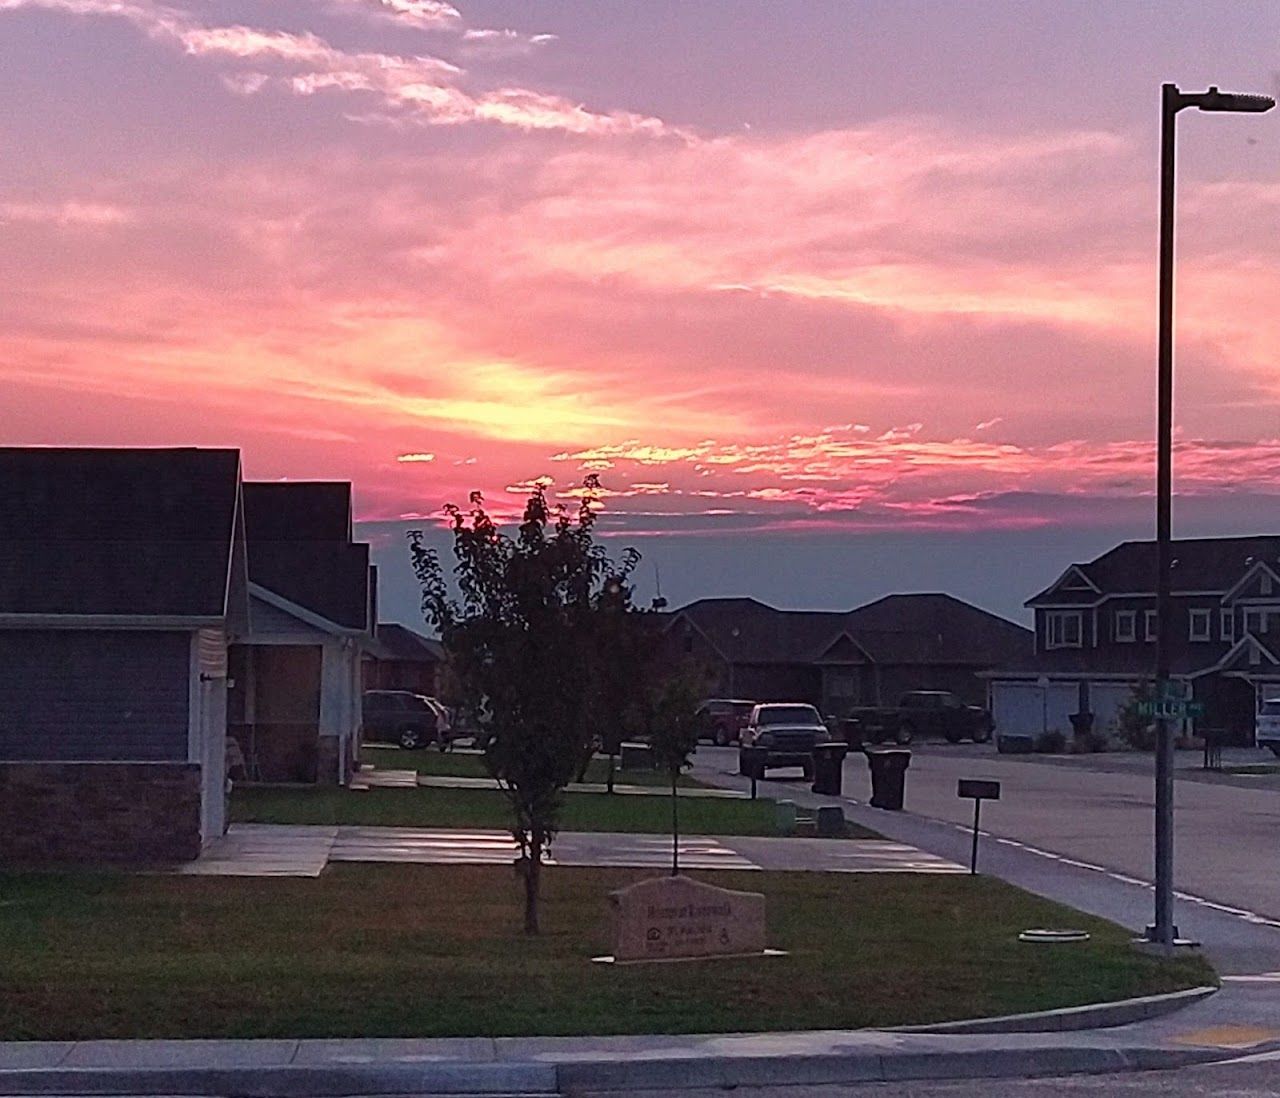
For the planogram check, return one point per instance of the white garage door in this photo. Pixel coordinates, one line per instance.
(1017, 708)
(1063, 700)
(1106, 701)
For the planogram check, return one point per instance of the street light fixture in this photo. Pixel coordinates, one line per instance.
(1172, 100)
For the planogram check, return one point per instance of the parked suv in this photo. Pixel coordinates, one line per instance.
(921, 713)
(723, 719)
(402, 717)
(789, 730)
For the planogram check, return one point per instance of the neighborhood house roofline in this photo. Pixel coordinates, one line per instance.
(1253, 570)
(307, 617)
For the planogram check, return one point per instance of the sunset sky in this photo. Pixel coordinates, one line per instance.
(838, 298)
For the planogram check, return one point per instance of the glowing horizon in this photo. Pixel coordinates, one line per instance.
(433, 247)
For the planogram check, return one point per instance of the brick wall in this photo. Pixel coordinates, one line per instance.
(94, 813)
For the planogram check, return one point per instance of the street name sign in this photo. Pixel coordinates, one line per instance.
(1172, 709)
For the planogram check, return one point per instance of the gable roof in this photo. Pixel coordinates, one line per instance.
(896, 629)
(1201, 564)
(300, 547)
(297, 510)
(399, 642)
(118, 533)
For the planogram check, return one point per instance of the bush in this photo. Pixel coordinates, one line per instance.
(1051, 742)
(1136, 729)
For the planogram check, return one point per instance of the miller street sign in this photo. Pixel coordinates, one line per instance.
(1172, 709)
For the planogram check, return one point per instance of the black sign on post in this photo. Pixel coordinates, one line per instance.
(979, 791)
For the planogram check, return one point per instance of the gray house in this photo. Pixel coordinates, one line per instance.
(295, 709)
(122, 573)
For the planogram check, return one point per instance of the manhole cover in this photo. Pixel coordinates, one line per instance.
(1043, 935)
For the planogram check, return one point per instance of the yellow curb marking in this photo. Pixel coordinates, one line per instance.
(1228, 1036)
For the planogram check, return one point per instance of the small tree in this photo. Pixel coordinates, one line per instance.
(673, 736)
(1137, 728)
(522, 638)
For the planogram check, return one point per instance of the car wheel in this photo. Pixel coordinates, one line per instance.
(722, 737)
(904, 735)
(807, 769)
(951, 736)
(981, 735)
(410, 738)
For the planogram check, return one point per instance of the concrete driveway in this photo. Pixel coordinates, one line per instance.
(1100, 810)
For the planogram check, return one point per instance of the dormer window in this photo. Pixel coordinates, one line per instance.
(1126, 626)
(1062, 629)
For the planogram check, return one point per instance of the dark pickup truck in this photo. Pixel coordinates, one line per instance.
(919, 713)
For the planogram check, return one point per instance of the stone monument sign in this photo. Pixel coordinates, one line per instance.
(673, 917)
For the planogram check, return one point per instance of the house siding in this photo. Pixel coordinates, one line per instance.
(72, 695)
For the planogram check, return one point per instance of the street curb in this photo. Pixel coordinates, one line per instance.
(1122, 1012)
(567, 1076)
(832, 1069)
(291, 1081)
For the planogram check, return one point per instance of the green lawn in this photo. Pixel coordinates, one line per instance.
(488, 808)
(455, 764)
(428, 951)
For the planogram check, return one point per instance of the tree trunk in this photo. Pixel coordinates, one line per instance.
(675, 828)
(532, 879)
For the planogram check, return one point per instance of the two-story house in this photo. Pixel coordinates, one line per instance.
(1095, 637)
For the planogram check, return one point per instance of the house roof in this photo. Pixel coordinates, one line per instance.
(300, 547)
(897, 629)
(117, 532)
(399, 642)
(1200, 564)
(297, 510)
(329, 578)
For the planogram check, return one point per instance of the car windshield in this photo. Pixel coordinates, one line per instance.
(1271, 707)
(788, 714)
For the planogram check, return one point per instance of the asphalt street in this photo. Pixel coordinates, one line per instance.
(1074, 832)
(1100, 811)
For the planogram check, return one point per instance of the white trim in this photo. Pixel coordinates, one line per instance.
(194, 754)
(1132, 617)
(1250, 572)
(108, 621)
(1065, 617)
(1201, 614)
(1150, 626)
(1035, 605)
(1247, 639)
(309, 617)
(1227, 624)
(1089, 584)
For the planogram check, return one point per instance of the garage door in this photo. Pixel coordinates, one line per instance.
(1017, 708)
(1063, 699)
(1106, 701)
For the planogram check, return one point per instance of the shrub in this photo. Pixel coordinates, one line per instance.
(1051, 742)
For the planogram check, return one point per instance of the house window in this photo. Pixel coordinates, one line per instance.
(1227, 624)
(1255, 621)
(1126, 625)
(1201, 625)
(1062, 629)
(1149, 623)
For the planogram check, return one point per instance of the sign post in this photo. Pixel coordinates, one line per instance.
(978, 791)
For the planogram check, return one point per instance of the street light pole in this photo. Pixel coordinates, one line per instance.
(1163, 931)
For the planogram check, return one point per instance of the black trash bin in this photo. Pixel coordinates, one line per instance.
(828, 768)
(888, 776)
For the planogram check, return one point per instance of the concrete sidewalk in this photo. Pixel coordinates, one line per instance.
(274, 850)
(554, 1065)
